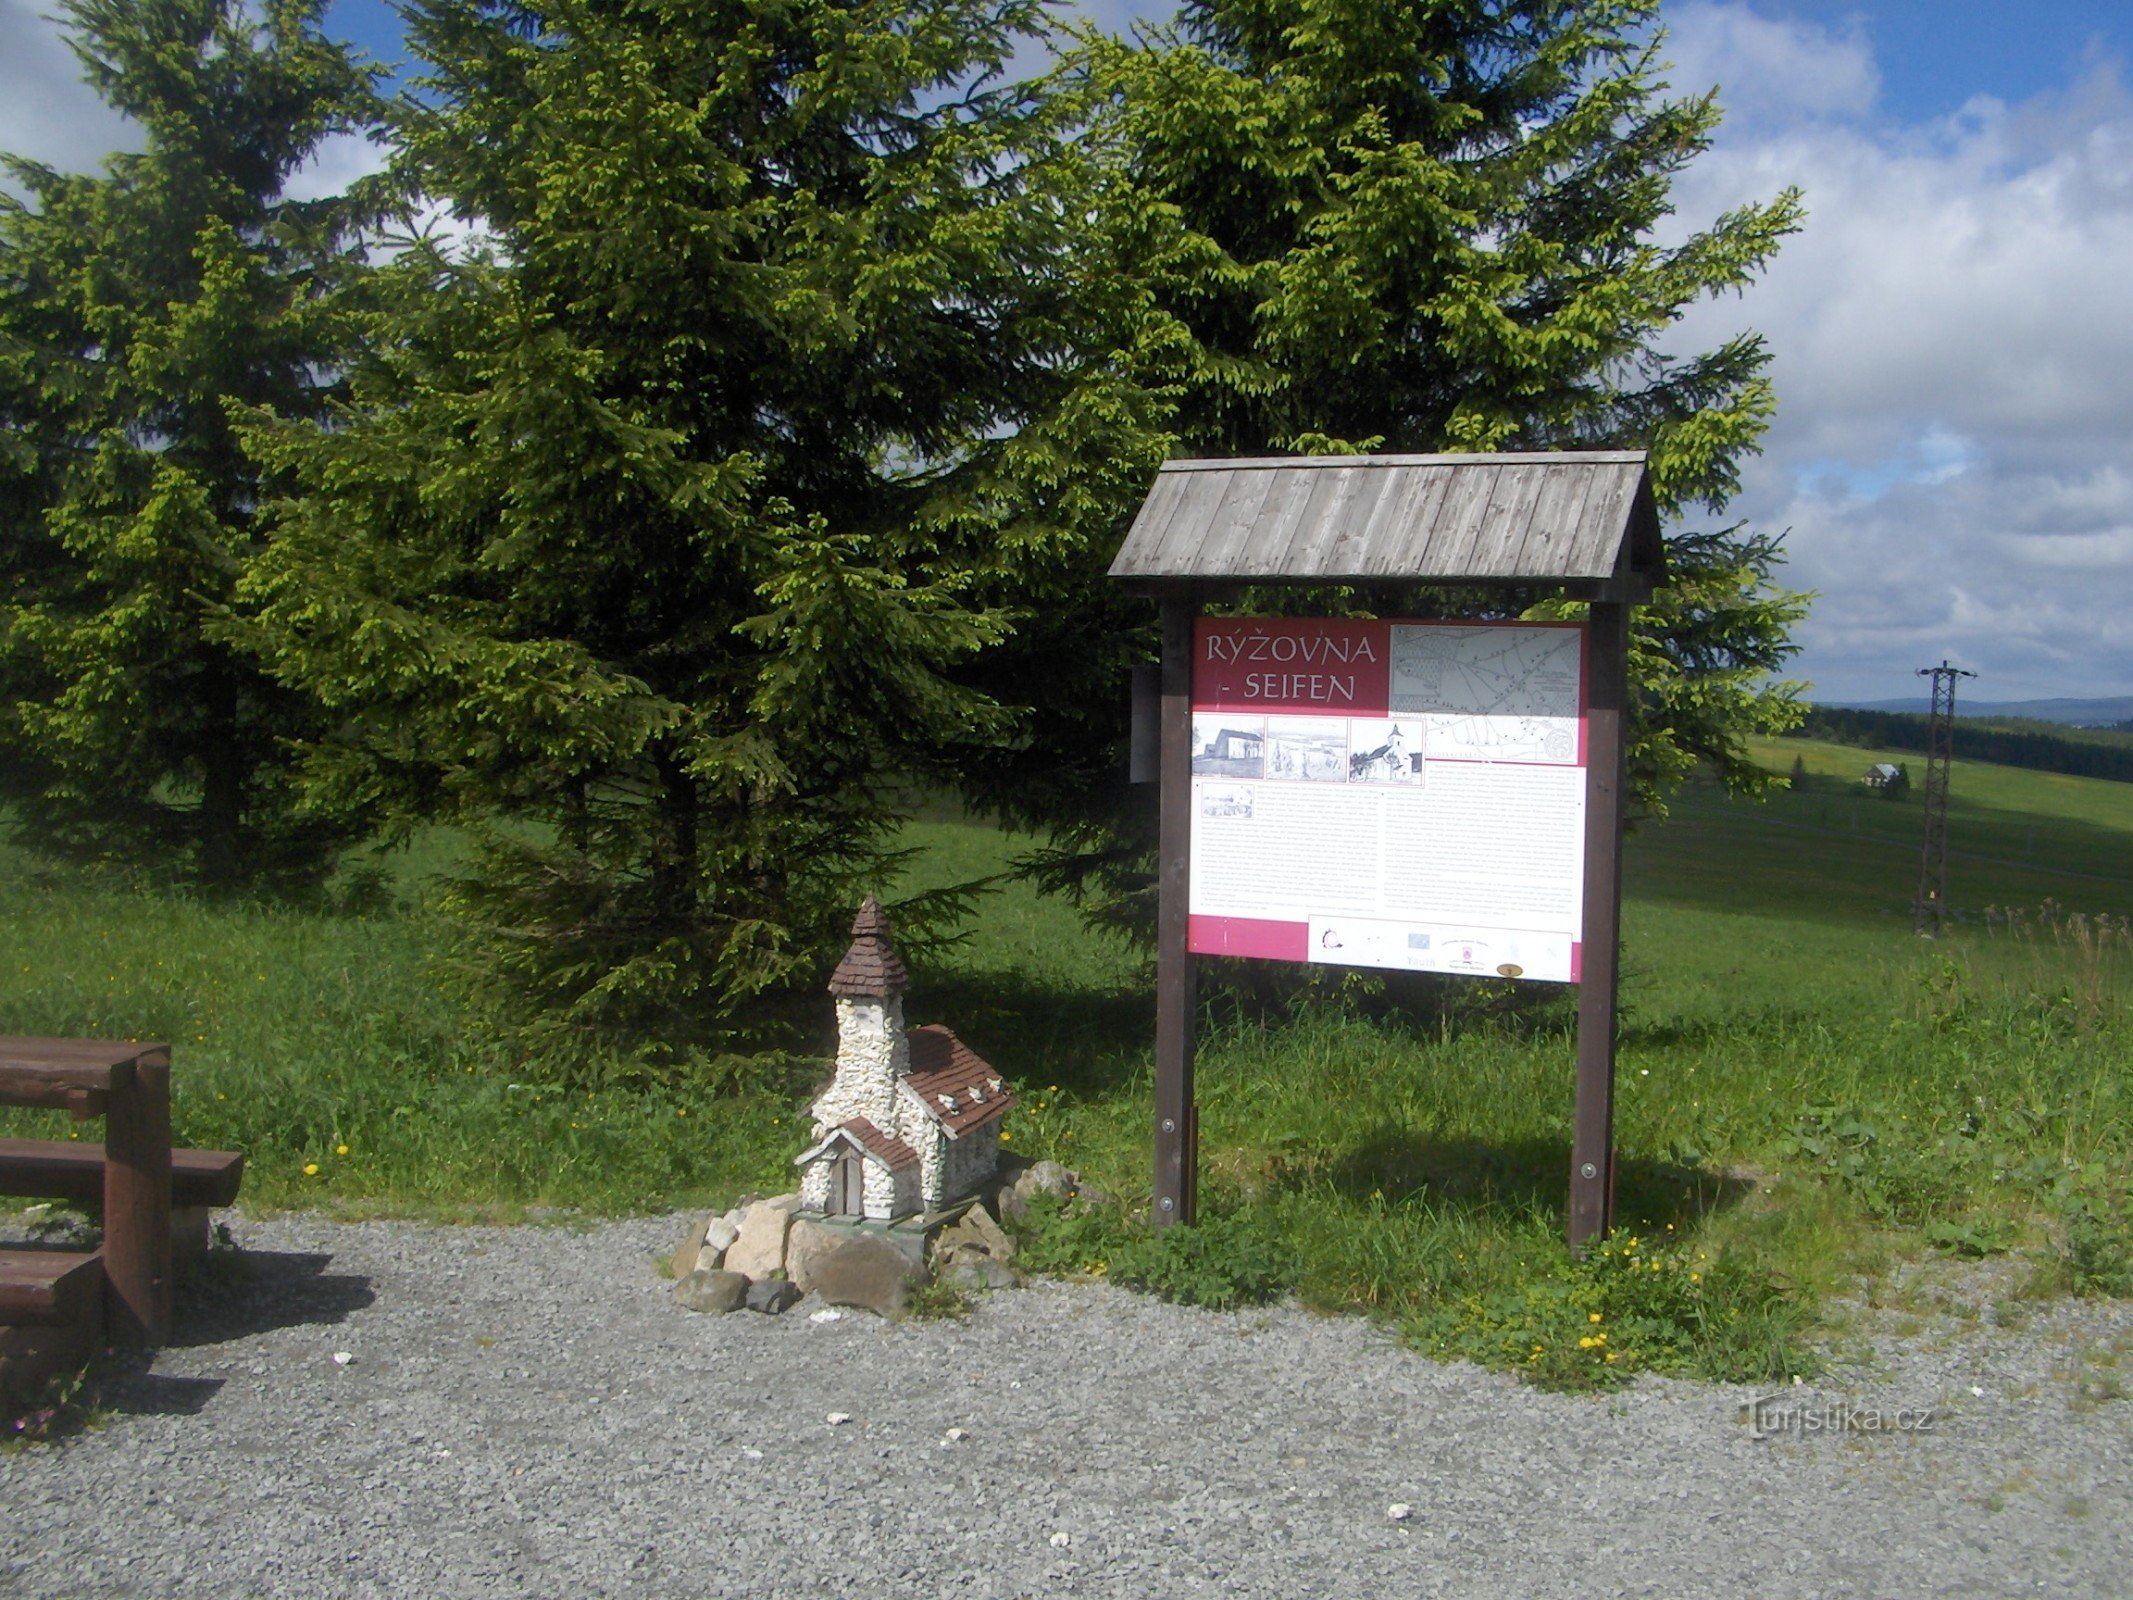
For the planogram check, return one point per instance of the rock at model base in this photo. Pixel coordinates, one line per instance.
(719, 1234)
(689, 1253)
(1047, 1177)
(869, 1273)
(709, 1289)
(1007, 1202)
(806, 1244)
(758, 1251)
(979, 1273)
(772, 1295)
(974, 1235)
(987, 1234)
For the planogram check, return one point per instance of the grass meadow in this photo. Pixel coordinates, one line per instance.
(1810, 1096)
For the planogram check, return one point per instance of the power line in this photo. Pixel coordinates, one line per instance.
(1932, 902)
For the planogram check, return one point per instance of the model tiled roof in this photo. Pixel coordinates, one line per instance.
(891, 1152)
(953, 1082)
(871, 969)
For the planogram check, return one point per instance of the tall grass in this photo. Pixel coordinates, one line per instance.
(1807, 1092)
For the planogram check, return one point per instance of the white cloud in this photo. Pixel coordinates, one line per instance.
(47, 113)
(338, 161)
(1953, 339)
(1771, 70)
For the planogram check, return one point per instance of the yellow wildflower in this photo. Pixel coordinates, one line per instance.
(311, 1169)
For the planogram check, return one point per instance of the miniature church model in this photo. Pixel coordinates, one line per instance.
(911, 1122)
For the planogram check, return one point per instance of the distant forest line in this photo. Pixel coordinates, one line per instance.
(2041, 747)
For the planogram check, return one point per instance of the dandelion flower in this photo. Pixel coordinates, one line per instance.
(1595, 1317)
(310, 1169)
(340, 1149)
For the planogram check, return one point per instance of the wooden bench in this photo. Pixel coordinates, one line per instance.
(45, 1169)
(127, 1083)
(200, 1181)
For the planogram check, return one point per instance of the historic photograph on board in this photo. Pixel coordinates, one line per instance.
(1226, 746)
(1313, 749)
(1386, 751)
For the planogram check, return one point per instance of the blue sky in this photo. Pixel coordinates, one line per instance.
(1934, 55)
(1952, 460)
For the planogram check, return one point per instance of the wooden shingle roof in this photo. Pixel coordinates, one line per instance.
(890, 1151)
(893, 1152)
(953, 1082)
(1557, 516)
(871, 969)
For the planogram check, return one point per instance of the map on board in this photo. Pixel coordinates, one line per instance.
(1491, 694)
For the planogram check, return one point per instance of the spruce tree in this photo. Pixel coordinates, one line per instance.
(1429, 225)
(138, 306)
(651, 537)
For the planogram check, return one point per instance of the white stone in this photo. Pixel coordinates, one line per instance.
(719, 1236)
(838, 1419)
(1399, 1511)
(758, 1251)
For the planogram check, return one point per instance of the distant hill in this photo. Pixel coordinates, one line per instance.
(2105, 712)
(2029, 742)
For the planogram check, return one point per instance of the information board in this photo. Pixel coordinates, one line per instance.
(1389, 793)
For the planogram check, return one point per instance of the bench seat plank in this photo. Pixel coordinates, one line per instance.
(75, 1075)
(49, 1169)
(49, 1286)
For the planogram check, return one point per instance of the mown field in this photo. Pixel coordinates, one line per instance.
(1809, 1093)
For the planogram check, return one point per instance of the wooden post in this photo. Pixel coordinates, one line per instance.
(1177, 1144)
(137, 1199)
(1592, 1145)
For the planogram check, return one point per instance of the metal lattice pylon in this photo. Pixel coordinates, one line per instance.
(1932, 902)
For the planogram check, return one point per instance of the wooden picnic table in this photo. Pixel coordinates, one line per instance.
(127, 1083)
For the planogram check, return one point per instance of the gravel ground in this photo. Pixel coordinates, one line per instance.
(527, 1412)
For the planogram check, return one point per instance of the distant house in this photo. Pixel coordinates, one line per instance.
(1887, 778)
(1232, 745)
